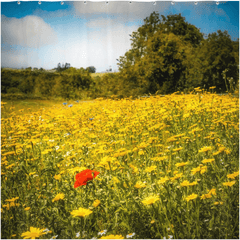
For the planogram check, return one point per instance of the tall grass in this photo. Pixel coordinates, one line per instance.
(168, 168)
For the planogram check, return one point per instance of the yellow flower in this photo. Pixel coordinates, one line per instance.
(7, 206)
(58, 197)
(141, 152)
(177, 176)
(57, 177)
(163, 180)
(12, 200)
(205, 149)
(201, 169)
(152, 222)
(27, 208)
(98, 178)
(193, 183)
(233, 175)
(212, 191)
(158, 159)
(191, 197)
(195, 170)
(140, 185)
(177, 149)
(181, 164)
(171, 139)
(227, 151)
(236, 174)
(13, 204)
(204, 196)
(216, 203)
(185, 183)
(81, 212)
(208, 160)
(150, 200)
(33, 233)
(149, 169)
(96, 203)
(76, 169)
(135, 169)
(229, 184)
(31, 173)
(112, 237)
(115, 180)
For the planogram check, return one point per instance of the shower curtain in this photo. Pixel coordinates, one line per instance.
(130, 37)
(115, 121)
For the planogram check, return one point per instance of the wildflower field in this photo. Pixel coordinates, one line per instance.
(157, 167)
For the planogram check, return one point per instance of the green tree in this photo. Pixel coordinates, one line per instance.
(177, 25)
(91, 69)
(217, 54)
(165, 63)
(63, 67)
(45, 83)
(157, 59)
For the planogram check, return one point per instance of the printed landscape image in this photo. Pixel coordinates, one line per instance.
(120, 120)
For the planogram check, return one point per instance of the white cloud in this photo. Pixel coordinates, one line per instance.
(113, 39)
(99, 48)
(123, 10)
(19, 58)
(104, 41)
(30, 31)
(107, 44)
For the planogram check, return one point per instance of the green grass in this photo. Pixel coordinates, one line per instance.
(26, 106)
(168, 167)
(97, 74)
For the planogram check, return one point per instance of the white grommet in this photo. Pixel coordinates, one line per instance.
(18, 2)
(62, 3)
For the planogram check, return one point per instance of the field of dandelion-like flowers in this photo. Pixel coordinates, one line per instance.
(157, 167)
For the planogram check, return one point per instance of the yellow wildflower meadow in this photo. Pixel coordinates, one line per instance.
(132, 168)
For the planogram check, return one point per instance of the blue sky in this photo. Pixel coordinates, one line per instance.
(93, 34)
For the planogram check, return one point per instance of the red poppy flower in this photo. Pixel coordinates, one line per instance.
(83, 177)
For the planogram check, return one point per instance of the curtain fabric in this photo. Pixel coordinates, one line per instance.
(84, 33)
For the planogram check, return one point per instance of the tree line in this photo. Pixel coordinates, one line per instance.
(67, 84)
(167, 55)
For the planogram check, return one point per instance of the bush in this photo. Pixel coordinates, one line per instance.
(13, 90)
(14, 96)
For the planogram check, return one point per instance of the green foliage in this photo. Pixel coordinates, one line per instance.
(91, 69)
(68, 84)
(169, 55)
(13, 96)
(217, 55)
(63, 67)
(181, 151)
